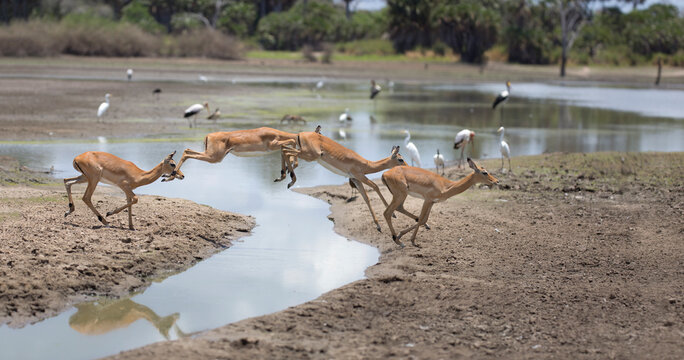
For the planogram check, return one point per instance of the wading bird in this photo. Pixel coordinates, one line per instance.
(461, 140)
(193, 110)
(215, 115)
(439, 161)
(96, 166)
(505, 150)
(103, 107)
(374, 89)
(502, 98)
(345, 116)
(402, 181)
(129, 74)
(156, 92)
(412, 149)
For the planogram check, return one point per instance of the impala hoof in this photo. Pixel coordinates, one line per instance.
(427, 227)
(378, 227)
(108, 213)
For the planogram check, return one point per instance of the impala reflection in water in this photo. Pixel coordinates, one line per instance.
(103, 316)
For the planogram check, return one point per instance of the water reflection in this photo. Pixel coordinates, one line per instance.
(105, 315)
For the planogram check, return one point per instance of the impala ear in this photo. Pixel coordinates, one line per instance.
(472, 165)
(171, 155)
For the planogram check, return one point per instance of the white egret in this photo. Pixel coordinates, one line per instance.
(462, 139)
(103, 107)
(439, 161)
(412, 149)
(129, 74)
(505, 150)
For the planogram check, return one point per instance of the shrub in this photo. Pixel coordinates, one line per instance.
(469, 28)
(238, 18)
(366, 47)
(207, 43)
(308, 53)
(136, 13)
(32, 38)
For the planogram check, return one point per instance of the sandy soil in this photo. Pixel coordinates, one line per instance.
(573, 256)
(49, 262)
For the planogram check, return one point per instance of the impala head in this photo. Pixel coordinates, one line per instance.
(397, 159)
(482, 175)
(169, 166)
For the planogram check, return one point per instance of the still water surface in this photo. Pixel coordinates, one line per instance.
(293, 255)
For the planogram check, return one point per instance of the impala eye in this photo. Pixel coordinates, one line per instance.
(485, 173)
(173, 165)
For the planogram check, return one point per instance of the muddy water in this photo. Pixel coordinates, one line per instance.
(293, 255)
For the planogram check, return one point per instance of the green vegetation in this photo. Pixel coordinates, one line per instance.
(473, 31)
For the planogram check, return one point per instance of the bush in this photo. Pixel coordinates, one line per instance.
(136, 13)
(314, 23)
(207, 43)
(238, 18)
(366, 47)
(469, 28)
(87, 37)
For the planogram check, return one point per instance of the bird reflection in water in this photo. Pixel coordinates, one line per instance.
(103, 316)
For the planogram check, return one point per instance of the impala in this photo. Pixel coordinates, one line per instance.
(432, 188)
(252, 142)
(313, 146)
(96, 166)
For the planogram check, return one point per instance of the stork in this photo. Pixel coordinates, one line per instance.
(412, 149)
(505, 150)
(344, 117)
(156, 92)
(193, 110)
(502, 98)
(439, 161)
(462, 139)
(103, 107)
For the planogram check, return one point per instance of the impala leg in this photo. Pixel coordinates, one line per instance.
(290, 156)
(373, 186)
(67, 183)
(397, 202)
(362, 191)
(424, 213)
(92, 183)
(210, 156)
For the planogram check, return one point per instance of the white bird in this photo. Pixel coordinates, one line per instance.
(193, 110)
(439, 161)
(342, 134)
(129, 74)
(462, 139)
(412, 149)
(320, 84)
(374, 89)
(203, 78)
(502, 98)
(505, 150)
(103, 107)
(344, 117)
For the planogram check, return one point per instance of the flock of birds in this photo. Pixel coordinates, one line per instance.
(461, 140)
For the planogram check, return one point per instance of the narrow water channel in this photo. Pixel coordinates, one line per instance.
(293, 256)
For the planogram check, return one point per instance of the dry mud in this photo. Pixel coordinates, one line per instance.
(573, 256)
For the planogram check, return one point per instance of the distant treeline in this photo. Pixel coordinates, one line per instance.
(520, 31)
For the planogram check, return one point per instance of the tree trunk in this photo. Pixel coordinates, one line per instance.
(660, 69)
(347, 11)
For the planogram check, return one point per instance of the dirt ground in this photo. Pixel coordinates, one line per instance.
(572, 256)
(49, 262)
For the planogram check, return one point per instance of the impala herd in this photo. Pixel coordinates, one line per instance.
(402, 180)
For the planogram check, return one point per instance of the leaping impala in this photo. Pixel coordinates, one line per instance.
(96, 166)
(252, 142)
(314, 146)
(424, 184)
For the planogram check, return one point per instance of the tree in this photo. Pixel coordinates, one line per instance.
(410, 23)
(573, 15)
(469, 28)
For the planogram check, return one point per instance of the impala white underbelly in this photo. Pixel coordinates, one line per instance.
(250, 153)
(333, 169)
(415, 194)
